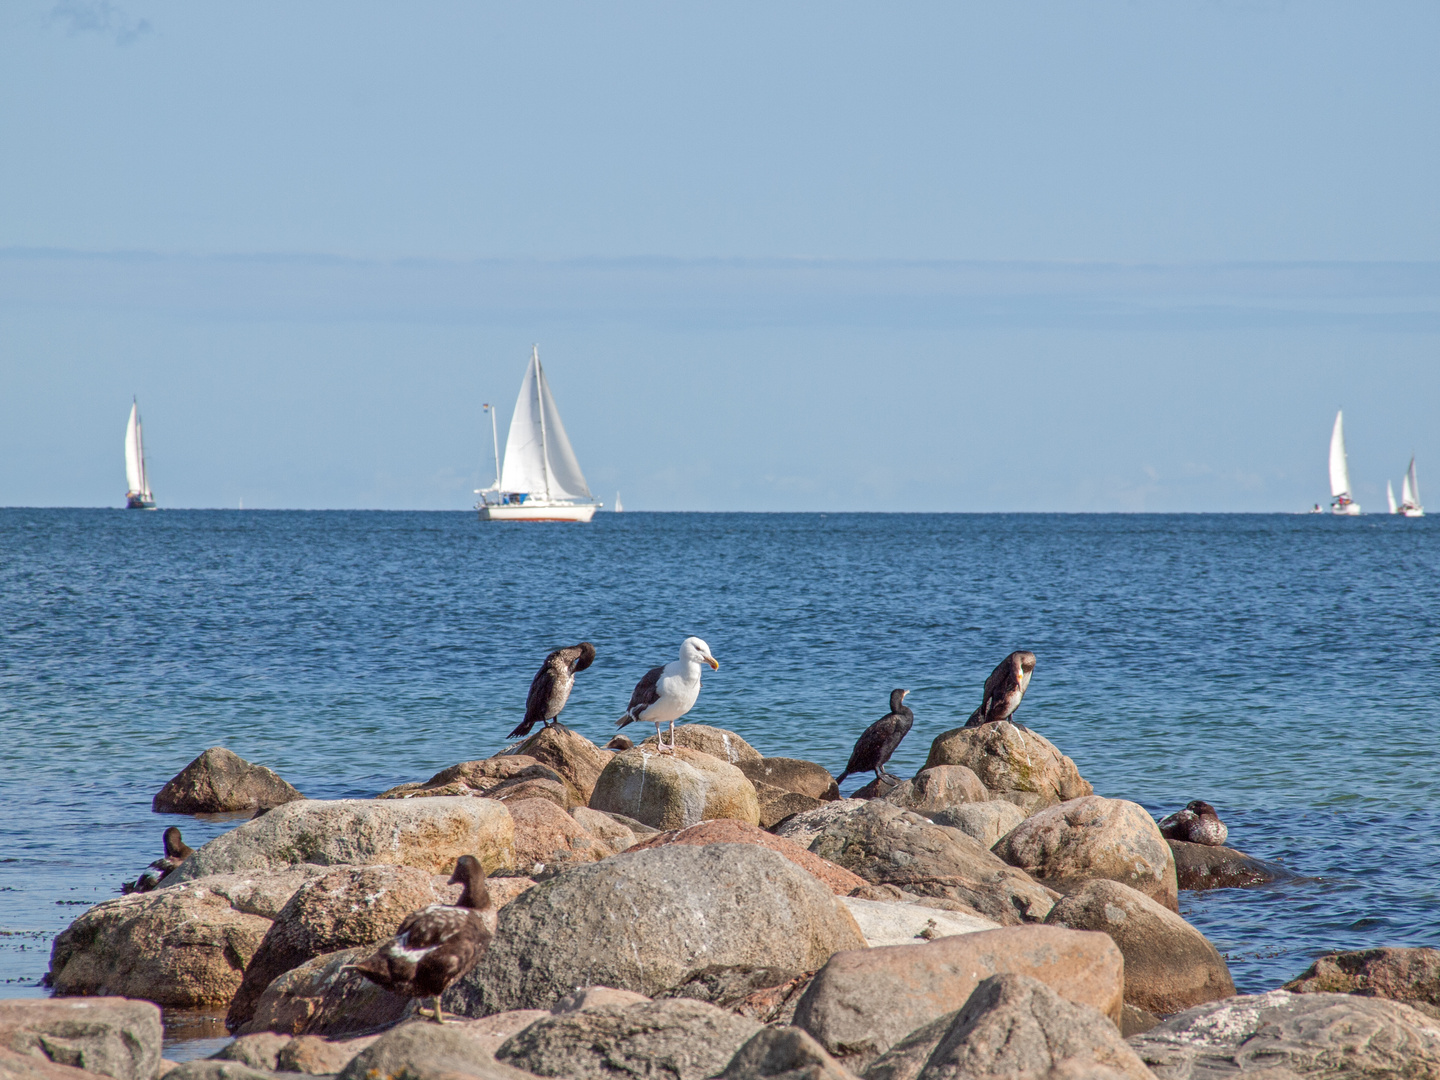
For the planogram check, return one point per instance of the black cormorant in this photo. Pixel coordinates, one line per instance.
(878, 741)
(550, 689)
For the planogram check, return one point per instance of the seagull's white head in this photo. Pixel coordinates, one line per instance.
(693, 650)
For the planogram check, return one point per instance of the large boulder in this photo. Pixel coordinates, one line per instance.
(717, 742)
(1204, 866)
(108, 1035)
(342, 910)
(426, 833)
(1094, 837)
(578, 760)
(502, 777)
(891, 922)
(680, 1038)
(1019, 766)
(805, 826)
(424, 1050)
(671, 791)
(792, 774)
(324, 996)
(1282, 1035)
(264, 893)
(1013, 1026)
(609, 830)
(546, 834)
(887, 845)
(837, 879)
(784, 1053)
(938, 788)
(180, 947)
(219, 781)
(1408, 975)
(643, 920)
(986, 821)
(1169, 966)
(862, 1003)
(777, 804)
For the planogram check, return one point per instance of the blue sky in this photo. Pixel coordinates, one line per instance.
(1110, 256)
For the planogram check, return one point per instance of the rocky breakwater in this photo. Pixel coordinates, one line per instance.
(646, 920)
(1072, 843)
(886, 845)
(674, 790)
(1018, 766)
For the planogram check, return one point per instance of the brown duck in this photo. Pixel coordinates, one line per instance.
(437, 945)
(176, 852)
(1198, 823)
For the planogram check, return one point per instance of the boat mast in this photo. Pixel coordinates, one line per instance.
(540, 399)
(495, 440)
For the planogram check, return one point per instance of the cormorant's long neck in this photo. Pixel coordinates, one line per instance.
(907, 717)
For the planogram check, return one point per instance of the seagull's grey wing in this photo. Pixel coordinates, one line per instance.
(647, 692)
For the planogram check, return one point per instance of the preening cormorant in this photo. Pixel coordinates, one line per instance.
(1004, 689)
(550, 689)
(878, 741)
(437, 945)
(667, 693)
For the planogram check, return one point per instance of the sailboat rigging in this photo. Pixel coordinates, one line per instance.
(137, 485)
(539, 478)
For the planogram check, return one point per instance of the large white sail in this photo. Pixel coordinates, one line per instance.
(1339, 469)
(1390, 497)
(135, 455)
(1410, 487)
(539, 460)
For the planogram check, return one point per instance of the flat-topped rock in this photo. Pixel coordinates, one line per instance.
(717, 742)
(1022, 767)
(672, 791)
(219, 781)
(426, 833)
(805, 826)
(890, 922)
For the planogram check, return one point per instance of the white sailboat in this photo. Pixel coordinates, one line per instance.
(619, 506)
(1340, 502)
(1409, 494)
(1390, 497)
(540, 478)
(137, 493)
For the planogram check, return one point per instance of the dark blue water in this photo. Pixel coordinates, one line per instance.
(1287, 669)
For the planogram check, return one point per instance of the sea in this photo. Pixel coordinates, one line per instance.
(1285, 668)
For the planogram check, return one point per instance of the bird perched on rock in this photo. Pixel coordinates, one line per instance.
(1198, 823)
(176, 852)
(667, 693)
(878, 741)
(437, 945)
(550, 689)
(1004, 689)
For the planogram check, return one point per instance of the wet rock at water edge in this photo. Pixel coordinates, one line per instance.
(1169, 965)
(219, 781)
(1203, 866)
(1408, 975)
(1094, 837)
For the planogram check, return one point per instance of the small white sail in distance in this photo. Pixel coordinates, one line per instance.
(1390, 497)
(135, 480)
(1339, 467)
(619, 506)
(1410, 493)
(538, 456)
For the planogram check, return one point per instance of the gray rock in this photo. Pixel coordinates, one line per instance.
(785, 1053)
(777, 804)
(16, 1066)
(886, 845)
(671, 791)
(1408, 975)
(342, 910)
(1205, 866)
(110, 1035)
(986, 821)
(219, 781)
(597, 997)
(684, 1039)
(896, 923)
(323, 996)
(424, 1050)
(1281, 1035)
(606, 828)
(1094, 837)
(1169, 966)
(808, 824)
(221, 1070)
(259, 1051)
(938, 788)
(717, 742)
(258, 893)
(861, 1003)
(643, 920)
(792, 774)
(426, 833)
(765, 995)
(1013, 1026)
(1022, 767)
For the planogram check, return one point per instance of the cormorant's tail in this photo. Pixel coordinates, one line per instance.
(522, 728)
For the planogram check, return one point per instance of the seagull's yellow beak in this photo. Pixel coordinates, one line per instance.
(714, 664)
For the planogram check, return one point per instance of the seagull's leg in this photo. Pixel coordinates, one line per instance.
(672, 736)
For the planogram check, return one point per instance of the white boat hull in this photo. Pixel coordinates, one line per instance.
(539, 512)
(1348, 509)
(1412, 511)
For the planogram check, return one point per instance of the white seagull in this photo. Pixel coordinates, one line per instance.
(667, 693)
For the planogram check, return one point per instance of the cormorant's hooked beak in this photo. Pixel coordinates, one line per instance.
(714, 664)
